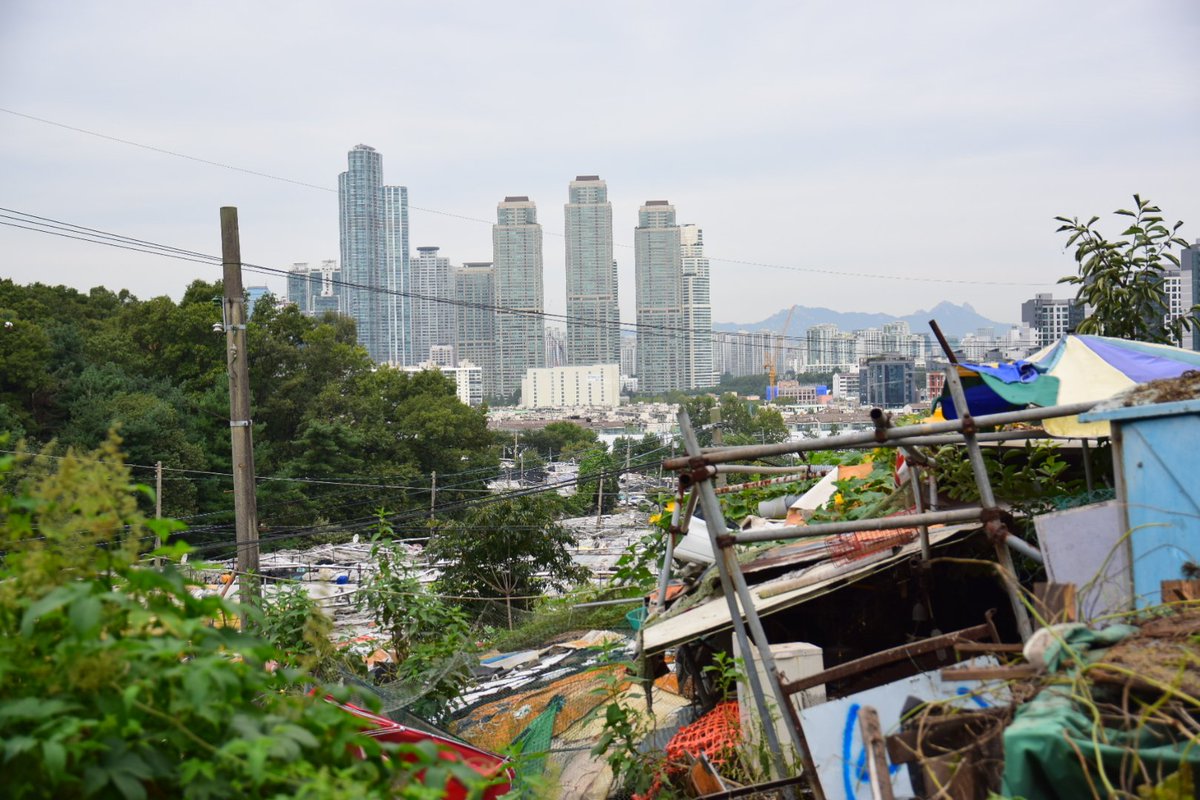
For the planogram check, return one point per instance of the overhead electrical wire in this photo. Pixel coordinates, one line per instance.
(54, 227)
(468, 218)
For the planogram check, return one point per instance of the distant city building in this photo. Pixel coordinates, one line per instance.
(697, 310)
(316, 289)
(594, 386)
(935, 380)
(797, 393)
(1052, 319)
(520, 301)
(442, 355)
(846, 385)
(888, 381)
(433, 317)
(254, 294)
(1189, 290)
(659, 301)
(741, 353)
(475, 307)
(467, 377)
(897, 338)
(374, 242)
(593, 333)
(556, 347)
(629, 356)
(830, 349)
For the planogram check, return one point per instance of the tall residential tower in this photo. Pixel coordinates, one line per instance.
(475, 297)
(374, 234)
(432, 303)
(697, 310)
(517, 264)
(659, 283)
(593, 316)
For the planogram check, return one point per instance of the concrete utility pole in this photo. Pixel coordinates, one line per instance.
(244, 503)
(718, 437)
(432, 492)
(157, 506)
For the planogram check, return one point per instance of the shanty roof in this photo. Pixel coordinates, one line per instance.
(783, 592)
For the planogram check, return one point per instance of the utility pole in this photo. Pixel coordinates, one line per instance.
(599, 498)
(718, 437)
(244, 502)
(157, 507)
(432, 492)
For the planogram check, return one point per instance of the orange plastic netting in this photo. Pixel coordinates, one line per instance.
(714, 735)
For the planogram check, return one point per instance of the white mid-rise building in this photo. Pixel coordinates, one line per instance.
(597, 386)
(467, 377)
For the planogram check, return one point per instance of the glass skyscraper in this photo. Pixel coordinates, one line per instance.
(432, 309)
(593, 315)
(517, 262)
(374, 234)
(659, 279)
(697, 310)
(475, 295)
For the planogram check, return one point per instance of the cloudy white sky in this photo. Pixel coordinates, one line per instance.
(906, 140)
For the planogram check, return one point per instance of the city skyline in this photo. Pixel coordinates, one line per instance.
(942, 150)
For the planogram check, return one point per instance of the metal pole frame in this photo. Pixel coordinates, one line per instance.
(733, 585)
(993, 524)
(905, 434)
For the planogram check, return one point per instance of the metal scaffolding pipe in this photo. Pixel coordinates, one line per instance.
(716, 528)
(854, 526)
(737, 487)
(751, 452)
(1024, 548)
(749, 469)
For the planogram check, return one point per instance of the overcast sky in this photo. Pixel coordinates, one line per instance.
(928, 140)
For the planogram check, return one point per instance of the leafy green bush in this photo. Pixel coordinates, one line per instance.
(118, 680)
(431, 639)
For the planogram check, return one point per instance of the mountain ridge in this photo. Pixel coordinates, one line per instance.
(953, 318)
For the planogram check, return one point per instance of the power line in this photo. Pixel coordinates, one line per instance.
(54, 227)
(468, 218)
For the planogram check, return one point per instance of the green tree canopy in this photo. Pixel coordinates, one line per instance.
(1123, 283)
(117, 680)
(510, 551)
(560, 440)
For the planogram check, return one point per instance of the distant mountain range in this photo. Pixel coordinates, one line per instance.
(954, 320)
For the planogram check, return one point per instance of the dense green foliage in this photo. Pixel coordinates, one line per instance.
(73, 365)
(116, 680)
(558, 441)
(429, 637)
(1123, 282)
(742, 422)
(510, 552)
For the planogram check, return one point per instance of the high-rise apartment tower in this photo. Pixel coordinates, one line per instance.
(374, 234)
(659, 283)
(520, 301)
(697, 310)
(432, 303)
(475, 298)
(593, 315)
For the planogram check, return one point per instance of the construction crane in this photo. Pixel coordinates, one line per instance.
(773, 352)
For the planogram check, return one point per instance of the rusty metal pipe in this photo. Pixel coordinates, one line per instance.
(904, 432)
(854, 526)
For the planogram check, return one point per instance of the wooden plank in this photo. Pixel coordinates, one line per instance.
(901, 653)
(1180, 591)
(1055, 602)
(989, 673)
(877, 766)
(989, 647)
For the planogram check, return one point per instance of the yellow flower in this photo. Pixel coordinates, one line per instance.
(838, 499)
(670, 505)
(654, 518)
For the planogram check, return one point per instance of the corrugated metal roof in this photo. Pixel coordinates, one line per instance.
(713, 616)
